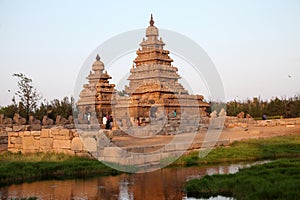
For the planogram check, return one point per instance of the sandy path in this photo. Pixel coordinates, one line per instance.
(226, 134)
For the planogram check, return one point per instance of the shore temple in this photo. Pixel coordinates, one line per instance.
(153, 97)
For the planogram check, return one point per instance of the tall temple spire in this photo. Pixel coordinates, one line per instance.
(151, 20)
(97, 57)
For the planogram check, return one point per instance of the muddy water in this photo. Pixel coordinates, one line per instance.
(162, 184)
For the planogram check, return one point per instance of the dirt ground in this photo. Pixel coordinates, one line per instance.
(232, 134)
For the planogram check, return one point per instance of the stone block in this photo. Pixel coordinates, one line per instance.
(36, 144)
(170, 147)
(182, 146)
(90, 144)
(9, 144)
(18, 128)
(112, 160)
(15, 140)
(3, 133)
(29, 143)
(74, 133)
(8, 129)
(18, 146)
(150, 158)
(3, 147)
(139, 160)
(35, 133)
(230, 125)
(26, 133)
(77, 144)
(35, 127)
(290, 126)
(61, 134)
(15, 134)
(126, 161)
(61, 144)
(46, 143)
(113, 152)
(45, 133)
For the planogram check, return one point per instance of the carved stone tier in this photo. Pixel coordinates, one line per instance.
(154, 87)
(97, 97)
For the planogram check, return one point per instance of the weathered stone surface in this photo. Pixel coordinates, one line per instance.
(45, 133)
(8, 129)
(26, 133)
(46, 143)
(5, 121)
(90, 144)
(60, 120)
(18, 120)
(15, 140)
(152, 158)
(14, 134)
(29, 143)
(35, 133)
(35, 127)
(113, 151)
(47, 121)
(18, 146)
(9, 144)
(61, 144)
(62, 134)
(32, 120)
(182, 146)
(77, 144)
(100, 88)
(18, 128)
(74, 133)
(170, 147)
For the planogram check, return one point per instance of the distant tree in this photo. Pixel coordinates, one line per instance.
(9, 110)
(28, 95)
(275, 107)
(41, 111)
(60, 107)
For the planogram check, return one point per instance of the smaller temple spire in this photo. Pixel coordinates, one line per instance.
(97, 57)
(151, 20)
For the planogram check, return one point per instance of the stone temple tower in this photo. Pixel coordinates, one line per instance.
(96, 98)
(153, 84)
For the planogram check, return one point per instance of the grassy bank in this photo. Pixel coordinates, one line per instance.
(254, 149)
(276, 180)
(17, 168)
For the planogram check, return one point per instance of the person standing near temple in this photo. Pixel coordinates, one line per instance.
(107, 122)
(104, 121)
(89, 117)
(138, 121)
(110, 122)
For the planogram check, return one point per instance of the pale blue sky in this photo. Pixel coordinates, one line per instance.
(254, 44)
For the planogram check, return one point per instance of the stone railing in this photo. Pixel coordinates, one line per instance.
(19, 123)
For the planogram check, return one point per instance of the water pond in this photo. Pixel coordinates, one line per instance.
(166, 183)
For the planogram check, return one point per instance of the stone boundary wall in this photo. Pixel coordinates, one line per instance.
(3, 141)
(56, 140)
(232, 122)
(59, 139)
